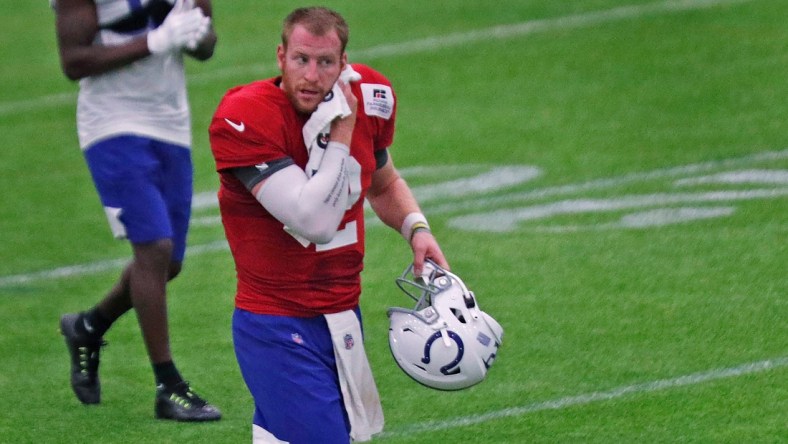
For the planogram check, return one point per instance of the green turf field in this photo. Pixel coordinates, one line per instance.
(609, 176)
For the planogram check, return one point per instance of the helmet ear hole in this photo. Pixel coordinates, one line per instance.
(458, 314)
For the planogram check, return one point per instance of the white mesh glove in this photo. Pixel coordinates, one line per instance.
(199, 34)
(184, 27)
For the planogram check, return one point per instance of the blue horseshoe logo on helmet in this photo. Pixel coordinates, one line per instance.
(446, 369)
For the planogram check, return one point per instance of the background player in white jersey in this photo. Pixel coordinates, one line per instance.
(297, 155)
(134, 128)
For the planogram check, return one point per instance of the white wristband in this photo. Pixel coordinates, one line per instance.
(412, 222)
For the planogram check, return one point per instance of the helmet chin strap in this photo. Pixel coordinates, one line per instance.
(445, 335)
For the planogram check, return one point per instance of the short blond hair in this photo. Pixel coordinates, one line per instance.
(317, 20)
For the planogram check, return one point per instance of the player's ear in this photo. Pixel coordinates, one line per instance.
(280, 56)
(342, 61)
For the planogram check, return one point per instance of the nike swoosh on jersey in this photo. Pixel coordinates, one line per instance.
(240, 127)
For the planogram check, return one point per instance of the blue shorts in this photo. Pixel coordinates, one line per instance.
(289, 367)
(145, 186)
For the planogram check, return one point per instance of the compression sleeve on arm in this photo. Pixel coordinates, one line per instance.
(250, 176)
(381, 158)
(310, 207)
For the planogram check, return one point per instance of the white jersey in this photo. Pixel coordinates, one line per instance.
(146, 98)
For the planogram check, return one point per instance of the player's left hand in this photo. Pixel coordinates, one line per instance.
(425, 246)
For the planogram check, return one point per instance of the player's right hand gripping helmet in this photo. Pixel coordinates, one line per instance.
(446, 342)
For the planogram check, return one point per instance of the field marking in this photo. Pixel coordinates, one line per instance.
(765, 177)
(646, 219)
(95, 267)
(588, 398)
(521, 173)
(574, 21)
(596, 184)
(208, 200)
(452, 40)
(507, 220)
(477, 204)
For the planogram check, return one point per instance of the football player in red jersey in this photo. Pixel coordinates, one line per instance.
(293, 214)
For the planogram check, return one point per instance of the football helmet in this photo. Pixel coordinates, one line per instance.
(445, 342)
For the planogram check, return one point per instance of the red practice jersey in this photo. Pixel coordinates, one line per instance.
(255, 124)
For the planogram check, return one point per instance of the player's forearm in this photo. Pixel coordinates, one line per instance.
(393, 202)
(76, 27)
(86, 61)
(311, 207)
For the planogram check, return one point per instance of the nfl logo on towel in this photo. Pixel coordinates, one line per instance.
(349, 341)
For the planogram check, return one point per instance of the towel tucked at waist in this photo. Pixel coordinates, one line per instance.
(362, 401)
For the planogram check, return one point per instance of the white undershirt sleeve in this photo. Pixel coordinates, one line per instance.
(310, 207)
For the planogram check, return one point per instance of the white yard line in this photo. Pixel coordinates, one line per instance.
(531, 27)
(596, 184)
(507, 220)
(95, 267)
(588, 398)
(478, 203)
(428, 44)
(204, 200)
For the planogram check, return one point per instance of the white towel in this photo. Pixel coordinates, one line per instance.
(318, 126)
(362, 401)
(263, 436)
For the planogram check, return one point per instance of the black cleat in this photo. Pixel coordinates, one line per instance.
(84, 353)
(180, 403)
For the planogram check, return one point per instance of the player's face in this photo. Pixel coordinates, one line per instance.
(310, 65)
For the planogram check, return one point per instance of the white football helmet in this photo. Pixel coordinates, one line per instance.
(446, 342)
